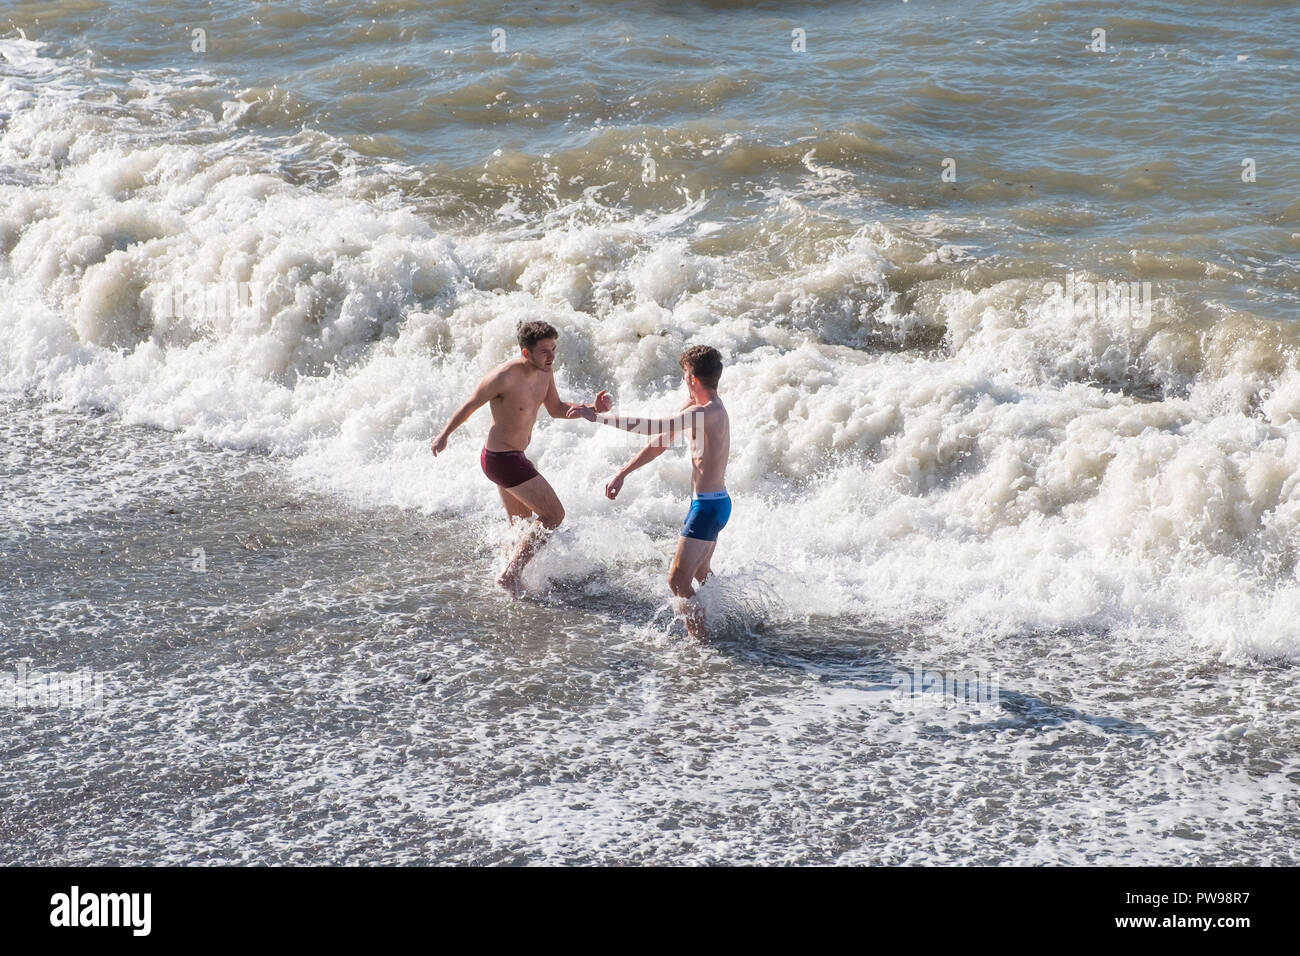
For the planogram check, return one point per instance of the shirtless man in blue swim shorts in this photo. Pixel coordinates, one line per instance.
(517, 390)
(703, 421)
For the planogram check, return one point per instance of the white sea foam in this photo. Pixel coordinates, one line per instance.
(1032, 472)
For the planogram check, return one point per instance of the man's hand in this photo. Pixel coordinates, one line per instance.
(581, 411)
(613, 487)
(439, 445)
(603, 404)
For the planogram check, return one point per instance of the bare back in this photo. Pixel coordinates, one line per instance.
(711, 436)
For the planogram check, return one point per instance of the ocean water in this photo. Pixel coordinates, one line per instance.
(1009, 323)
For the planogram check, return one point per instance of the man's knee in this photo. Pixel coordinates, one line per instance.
(679, 580)
(552, 518)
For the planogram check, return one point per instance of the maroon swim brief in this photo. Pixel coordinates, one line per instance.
(507, 468)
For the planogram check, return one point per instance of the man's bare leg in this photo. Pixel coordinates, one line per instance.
(704, 570)
(539, 498)
(692, 555)
(514, 507)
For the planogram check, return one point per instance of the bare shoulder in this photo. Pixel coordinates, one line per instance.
(507, 373)
(496, 382)
(717, 419)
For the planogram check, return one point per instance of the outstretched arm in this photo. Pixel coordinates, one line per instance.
(559, 409)
(662, 431)
(486, 390)
(646, 455)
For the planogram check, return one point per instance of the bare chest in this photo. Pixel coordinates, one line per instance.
(520, 400)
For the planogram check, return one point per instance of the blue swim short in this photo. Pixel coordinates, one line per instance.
(708, 515)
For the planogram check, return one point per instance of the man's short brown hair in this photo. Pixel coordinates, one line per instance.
(704, 362)
(530, 333)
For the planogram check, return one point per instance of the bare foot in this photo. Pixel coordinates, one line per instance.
(693, 615)
(512, 577)
(509, 583)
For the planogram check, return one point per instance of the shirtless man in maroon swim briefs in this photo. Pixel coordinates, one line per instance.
(517, 390)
